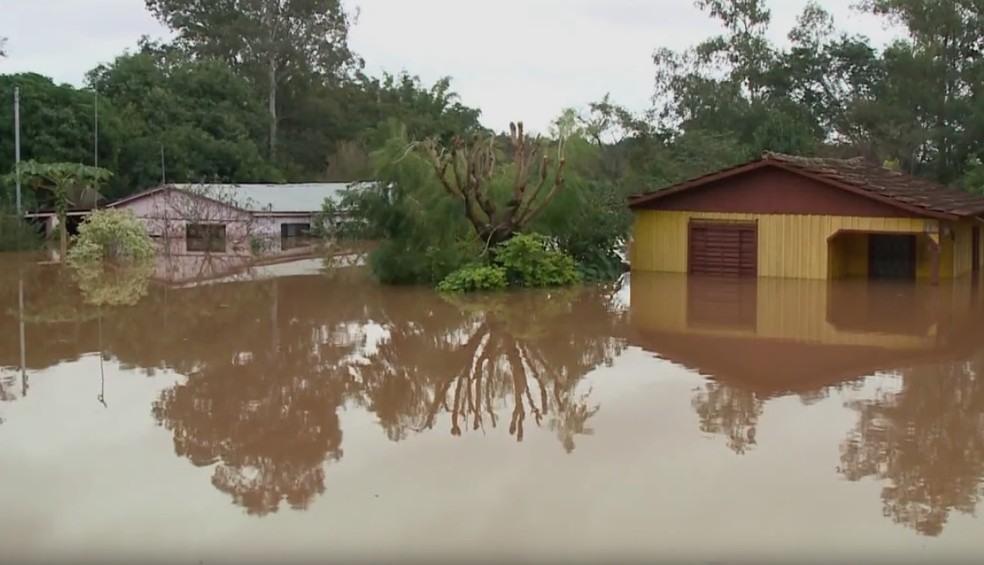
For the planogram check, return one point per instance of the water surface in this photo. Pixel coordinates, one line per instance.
(290, 413)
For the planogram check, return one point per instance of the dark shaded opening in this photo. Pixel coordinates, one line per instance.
(205, 237)
(892, 256)
(294, 235)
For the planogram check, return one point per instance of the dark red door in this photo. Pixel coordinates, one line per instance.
(723, 249)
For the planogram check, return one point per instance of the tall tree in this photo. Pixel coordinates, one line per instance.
(273, 42)
(198, 112)
(944, 51)
(56, 123)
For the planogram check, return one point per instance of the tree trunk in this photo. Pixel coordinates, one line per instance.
(272, 97)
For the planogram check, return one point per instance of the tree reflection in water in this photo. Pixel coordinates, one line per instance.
(473, 358)
(269, 364)
(729, 411)
(263, 408)
(926, 441)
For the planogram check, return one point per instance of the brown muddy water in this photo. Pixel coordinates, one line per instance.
(293, 414)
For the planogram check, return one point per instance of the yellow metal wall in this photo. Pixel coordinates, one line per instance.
(786, 309)
(789, 246)
(962, 246)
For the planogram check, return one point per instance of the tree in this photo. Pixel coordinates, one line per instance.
(3, 47)
(944, 51)
(467, 169)
(64, 185)
(273, 42)
(57, 124)
(198, 113)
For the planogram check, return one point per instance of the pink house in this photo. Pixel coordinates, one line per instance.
(234, 219)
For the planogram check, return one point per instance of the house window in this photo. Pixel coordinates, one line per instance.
(295, 235)
(205, 237)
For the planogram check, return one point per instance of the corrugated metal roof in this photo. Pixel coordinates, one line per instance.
(296, 197)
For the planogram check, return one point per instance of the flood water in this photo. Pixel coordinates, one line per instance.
(296, 414)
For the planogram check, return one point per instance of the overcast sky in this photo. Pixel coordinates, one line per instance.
(514, 59)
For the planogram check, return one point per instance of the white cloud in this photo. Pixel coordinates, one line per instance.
(515, 59)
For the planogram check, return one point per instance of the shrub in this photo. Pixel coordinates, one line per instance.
(474, 278)
(526, 261)
(529, 261)
(111, 235)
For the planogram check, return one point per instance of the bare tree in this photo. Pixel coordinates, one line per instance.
(466, 169)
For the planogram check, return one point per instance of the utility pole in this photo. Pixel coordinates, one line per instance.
(95, 129)
(17, 180)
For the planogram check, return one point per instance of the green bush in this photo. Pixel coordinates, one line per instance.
(530, 262)
(474, 278)
(111, 235)
(524, 261)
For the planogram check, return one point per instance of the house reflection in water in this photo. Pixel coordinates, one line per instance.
(765, 338)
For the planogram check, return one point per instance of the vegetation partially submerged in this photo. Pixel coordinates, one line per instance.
(486, 212)
(112, 258)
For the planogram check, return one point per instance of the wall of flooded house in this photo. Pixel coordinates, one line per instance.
(963, 247)
(167, 214)
(826, 312)
(789, 246)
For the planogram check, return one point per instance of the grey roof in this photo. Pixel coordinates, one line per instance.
(291, 197)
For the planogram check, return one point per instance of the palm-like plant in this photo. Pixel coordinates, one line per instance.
(67, 185)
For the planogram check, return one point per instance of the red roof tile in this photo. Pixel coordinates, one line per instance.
(858, 175)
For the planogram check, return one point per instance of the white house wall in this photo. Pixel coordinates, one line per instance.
(166, 215)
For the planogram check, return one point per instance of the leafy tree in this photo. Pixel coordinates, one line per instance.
(197, 112)
(57, 124)
(272, 42)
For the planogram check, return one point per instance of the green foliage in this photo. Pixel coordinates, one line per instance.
(529, 261)
(57, 123)
(111, 235)
(63, 185)
(523, 261)
(198, 112)
(590, 223)
(423, 233)
(473, 278)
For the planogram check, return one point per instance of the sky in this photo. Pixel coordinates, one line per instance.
(515, 59)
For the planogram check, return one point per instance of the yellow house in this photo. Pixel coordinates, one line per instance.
(808, 218)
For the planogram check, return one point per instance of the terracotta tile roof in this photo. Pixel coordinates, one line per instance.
(857, 175)
(904, 188)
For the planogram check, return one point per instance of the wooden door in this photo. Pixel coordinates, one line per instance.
(723, 249)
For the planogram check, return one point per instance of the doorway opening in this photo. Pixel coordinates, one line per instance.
(892, 257)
